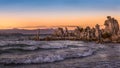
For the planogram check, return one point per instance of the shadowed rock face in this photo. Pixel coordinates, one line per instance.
(116, 26)
(98, 33)
(59, 32)
(78, 32)
(111, 26)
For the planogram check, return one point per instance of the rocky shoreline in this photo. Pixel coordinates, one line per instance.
(110, 33)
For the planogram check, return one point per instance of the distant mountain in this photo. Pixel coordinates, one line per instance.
(24, 31)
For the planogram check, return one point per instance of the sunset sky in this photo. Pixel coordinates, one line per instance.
(46, 13)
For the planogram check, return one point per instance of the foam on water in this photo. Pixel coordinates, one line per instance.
(54, 51)
(33, 45)
(47, 56)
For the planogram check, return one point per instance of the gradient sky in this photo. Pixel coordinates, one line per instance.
(41, 13)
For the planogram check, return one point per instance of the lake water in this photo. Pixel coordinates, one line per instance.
(44, 52)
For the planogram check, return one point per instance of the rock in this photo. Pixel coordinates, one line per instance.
(111, 25)
(107, 40)
(98, 33)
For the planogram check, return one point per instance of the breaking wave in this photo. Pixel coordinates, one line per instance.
(33, 45)
(43, 57)
(48, 51)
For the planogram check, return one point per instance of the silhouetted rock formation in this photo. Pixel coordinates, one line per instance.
(98, 33)
(110, 33)
(59, 32)
(111, 26)
(67, 34)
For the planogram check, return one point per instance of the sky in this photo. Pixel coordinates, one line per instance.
(29, 14)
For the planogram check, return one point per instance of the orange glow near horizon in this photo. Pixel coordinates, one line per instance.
(30, 22)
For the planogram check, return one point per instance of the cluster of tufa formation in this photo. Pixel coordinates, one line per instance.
(110, 33)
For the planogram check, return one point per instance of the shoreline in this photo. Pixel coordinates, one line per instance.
(74, 39)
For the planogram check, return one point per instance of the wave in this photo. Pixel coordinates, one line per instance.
(46, 56)
(27, 49)
(13, 43)
(34, 45)
(32, 48)
(24, 52)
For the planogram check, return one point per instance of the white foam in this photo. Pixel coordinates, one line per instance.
(53, 46)
(62, 51)
(47, 56)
